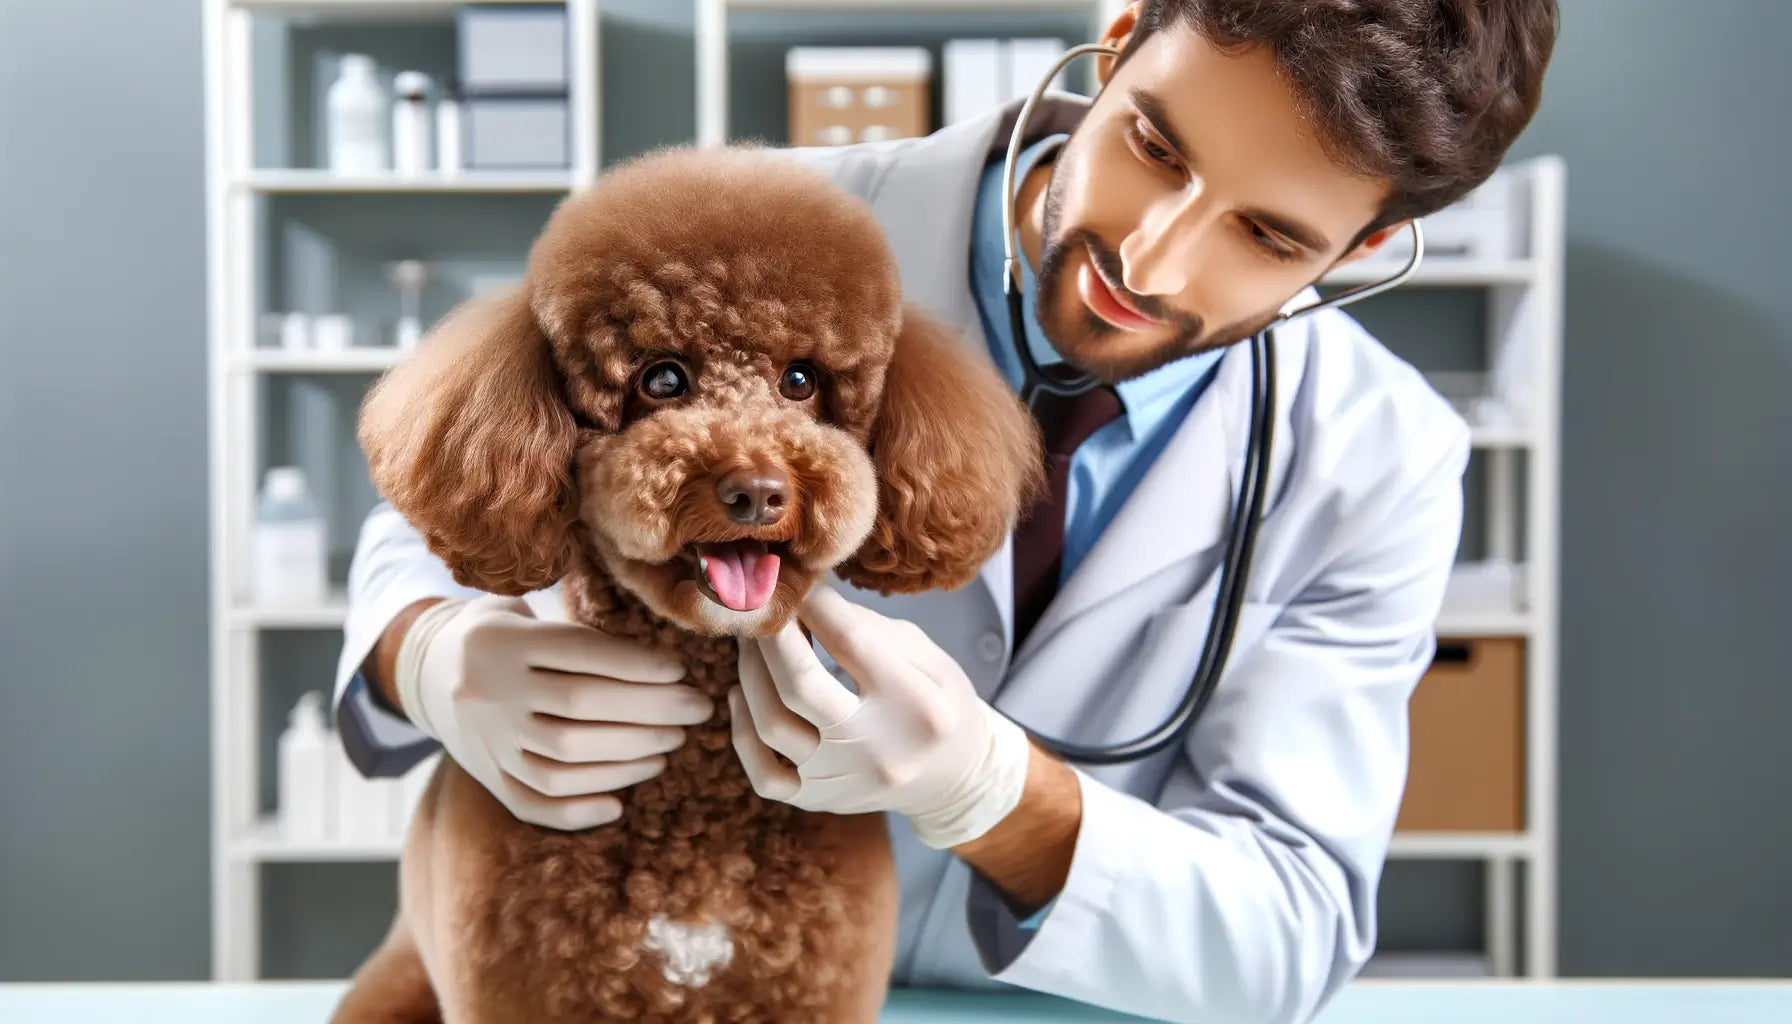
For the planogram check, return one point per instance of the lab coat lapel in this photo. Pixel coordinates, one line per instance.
(1183, 504)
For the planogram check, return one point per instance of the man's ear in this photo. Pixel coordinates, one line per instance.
(1373, 243)
(957, 457)
(1117, 34)
(471, 441)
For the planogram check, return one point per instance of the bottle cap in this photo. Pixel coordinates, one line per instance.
(308, 714)
(412, 85)
(358, 63)
(286, 483)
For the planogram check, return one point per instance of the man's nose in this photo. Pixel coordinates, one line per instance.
(754, 497)
(1162, 255)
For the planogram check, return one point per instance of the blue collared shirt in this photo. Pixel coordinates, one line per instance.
(1108, 465)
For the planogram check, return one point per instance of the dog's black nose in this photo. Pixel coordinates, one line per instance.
(754, 497)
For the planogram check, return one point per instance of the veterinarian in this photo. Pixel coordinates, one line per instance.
(1237, 151)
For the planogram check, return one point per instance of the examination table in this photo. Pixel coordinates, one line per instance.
(1366, 1002)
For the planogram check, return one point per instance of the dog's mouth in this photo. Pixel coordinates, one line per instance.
(740, 575)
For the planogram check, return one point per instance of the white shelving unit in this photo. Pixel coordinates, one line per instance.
(242, 838)
(1524, 302)
(1521, 513)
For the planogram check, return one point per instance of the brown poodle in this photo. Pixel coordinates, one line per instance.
(707, 394)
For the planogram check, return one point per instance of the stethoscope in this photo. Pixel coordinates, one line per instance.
(1247, 512)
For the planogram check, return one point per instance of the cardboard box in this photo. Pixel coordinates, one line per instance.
(1468, 749)
(840, 95)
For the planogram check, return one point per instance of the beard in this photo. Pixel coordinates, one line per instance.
(1087, 340)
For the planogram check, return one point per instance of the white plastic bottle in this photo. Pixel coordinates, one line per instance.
(304, 771)
(448, 135)
(356, 108)
(291, 560)
(411, 141)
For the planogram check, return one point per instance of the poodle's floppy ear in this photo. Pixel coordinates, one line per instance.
(957, 456)
(471, 441)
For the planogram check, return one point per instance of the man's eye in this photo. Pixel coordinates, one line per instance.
(1149, 146)
(663, 381)
(1270, 242)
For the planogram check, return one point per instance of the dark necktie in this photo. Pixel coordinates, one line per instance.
(1064, 423)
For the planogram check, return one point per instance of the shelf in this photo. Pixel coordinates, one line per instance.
(329, 615)
(1427, 965)
(1438, 273)
(1473, 622)
(1483, 599)
(367, 360)
(1497, 438)
(1460, 845)
(265, 844)
(362, 10)
(309, 181)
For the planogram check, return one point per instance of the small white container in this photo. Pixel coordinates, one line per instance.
(412, 142)
(333, 332)
(356, 111)
(295, 332)
(448, 136)
(291, 560)
(304, 771)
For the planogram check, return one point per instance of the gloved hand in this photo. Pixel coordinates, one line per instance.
(548, 716)
(916, 739)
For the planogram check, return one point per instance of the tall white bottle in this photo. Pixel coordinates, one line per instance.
(305, 763)
(291, 561)
(411, 141)
(356, 109)
(448, 134)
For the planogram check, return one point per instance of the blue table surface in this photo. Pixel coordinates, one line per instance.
(1366, 1002)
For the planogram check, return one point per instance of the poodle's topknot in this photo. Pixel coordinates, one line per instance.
(745, 224)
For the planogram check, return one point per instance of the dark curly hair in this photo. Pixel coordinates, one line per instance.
(1425, 94)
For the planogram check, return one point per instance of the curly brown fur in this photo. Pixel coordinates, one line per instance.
(529, 444)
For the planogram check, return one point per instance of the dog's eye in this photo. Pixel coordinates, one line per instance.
(663, 381)
(798, 383)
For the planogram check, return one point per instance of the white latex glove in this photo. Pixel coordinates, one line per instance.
(916, 739)
(549, 716)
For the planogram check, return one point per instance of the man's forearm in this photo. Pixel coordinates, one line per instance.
(381, 667)
(1027, 855)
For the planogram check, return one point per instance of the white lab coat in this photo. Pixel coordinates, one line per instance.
(1233, 879)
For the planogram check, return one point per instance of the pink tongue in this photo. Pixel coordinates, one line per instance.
(741, 574)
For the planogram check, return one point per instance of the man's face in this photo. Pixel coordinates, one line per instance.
(1188, 206)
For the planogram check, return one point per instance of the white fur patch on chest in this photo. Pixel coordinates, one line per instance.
(688, 953)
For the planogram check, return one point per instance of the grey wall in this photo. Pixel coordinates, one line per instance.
(1675, 833)
(103, 771)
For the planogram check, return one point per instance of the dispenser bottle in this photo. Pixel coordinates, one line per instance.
(411, 142)
(356, 108)
(291, 562)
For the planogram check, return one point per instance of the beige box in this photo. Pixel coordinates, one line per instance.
(1467, 745)
(841, 95)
